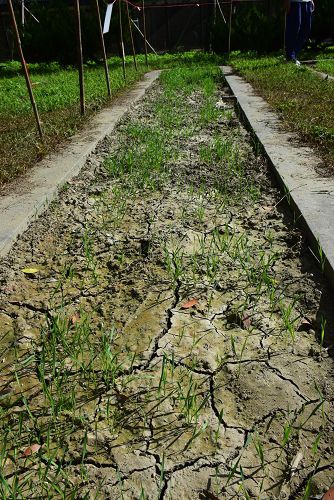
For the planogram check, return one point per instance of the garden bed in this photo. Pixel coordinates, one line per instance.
(164, 332)
(56, 91)
(303, 100)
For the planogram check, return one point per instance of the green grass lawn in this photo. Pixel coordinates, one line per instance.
(325, 67)
(57, 96)
(304, 101)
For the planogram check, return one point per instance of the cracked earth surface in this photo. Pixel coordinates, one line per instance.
(168, 341)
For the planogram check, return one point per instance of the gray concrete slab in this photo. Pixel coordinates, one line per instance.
(309, 65)
(323, 76)
(30, 195)
(295, 167)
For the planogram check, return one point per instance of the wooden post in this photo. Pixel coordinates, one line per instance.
(105, 62)
(80, 58)
(121, 36)
(145, 37)
(201, 23)
(131, 36)
(284, 31)
(230, 28)
(25, 69)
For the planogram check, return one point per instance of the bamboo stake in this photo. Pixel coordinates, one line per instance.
(230, 29)
(142, 34)
(121, 35)
(145, 37)
(25, 69)
(80, 58)
(106, 69)
(131, 36)
(284, 31)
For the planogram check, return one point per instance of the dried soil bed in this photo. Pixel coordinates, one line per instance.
(131, 391)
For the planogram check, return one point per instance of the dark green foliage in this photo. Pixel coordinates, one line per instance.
(260, 26)
(255, 26)
(54, 37)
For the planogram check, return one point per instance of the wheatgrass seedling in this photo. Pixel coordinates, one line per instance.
(289, 320)
(196, 340)
(287, 433)
(181, 335)
(110, 365)
(212, 265)
(163, 375)
(209, 87)
(174, 263)
(308, 487)
(198, 430)
(208, 113)
(319, 406)
(323, 322)
(321, 256)
(142, 493)
(233, 471)
(259, 450)
(243, 347)
(315, 445)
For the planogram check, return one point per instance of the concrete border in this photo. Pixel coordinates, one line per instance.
(32, 194)
(309, 65)
(320, 74)
(311, 195)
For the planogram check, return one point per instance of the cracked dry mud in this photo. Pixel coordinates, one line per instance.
(130, 391)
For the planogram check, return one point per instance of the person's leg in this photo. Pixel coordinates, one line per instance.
(293, 21)
(305, 25)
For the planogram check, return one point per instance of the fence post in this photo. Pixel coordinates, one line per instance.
(230, 29)
(80, 58)
(145, 38)
(25, 69)
(103, 47)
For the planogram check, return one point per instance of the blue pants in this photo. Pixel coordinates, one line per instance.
(298, 28)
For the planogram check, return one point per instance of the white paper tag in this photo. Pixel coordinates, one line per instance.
(107, 18)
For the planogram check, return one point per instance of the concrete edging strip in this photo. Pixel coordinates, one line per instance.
(294, 166)
(32, 196)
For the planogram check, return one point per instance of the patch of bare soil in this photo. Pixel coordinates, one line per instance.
(166, 342)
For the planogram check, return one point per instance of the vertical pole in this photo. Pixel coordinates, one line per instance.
(25, 69)
(22, 12)
(230, 28)
(213, 29)
(80, 59)
(131, 36)
(145, 38)
(121, 36)
(106, 70)
(284, 31)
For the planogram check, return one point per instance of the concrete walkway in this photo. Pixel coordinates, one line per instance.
(31, 194)
(295, 166)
